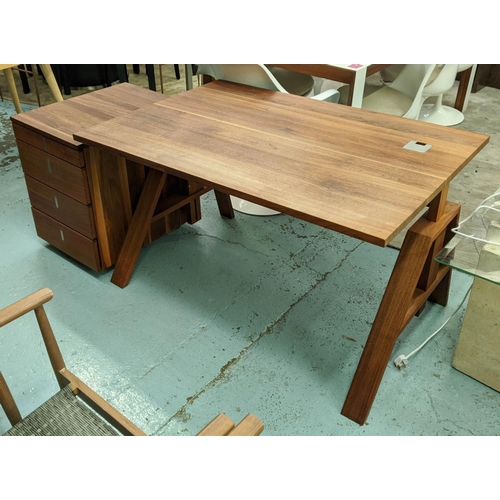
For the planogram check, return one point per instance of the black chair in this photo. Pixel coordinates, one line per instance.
(88, 75)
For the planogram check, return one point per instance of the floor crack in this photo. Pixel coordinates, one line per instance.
(222, 372)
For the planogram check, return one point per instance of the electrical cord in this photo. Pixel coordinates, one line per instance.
(401, 361)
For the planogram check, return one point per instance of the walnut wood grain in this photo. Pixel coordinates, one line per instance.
(54, 172)
(72, 243)
(329, 164)
(61, 120)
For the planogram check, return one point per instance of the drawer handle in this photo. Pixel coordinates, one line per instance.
(56, 202)
(49, 166)
(62, 234)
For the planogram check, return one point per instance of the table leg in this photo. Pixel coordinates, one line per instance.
(13, 89)
(225, 205)
(465, 88)
(357, 88)
(412, 282)
(138, 228)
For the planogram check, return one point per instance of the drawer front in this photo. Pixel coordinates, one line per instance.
(70, 154)
(57, 205)
(54, 172)
(68, 241)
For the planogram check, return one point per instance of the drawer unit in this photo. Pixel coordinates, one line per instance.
(69, 212)
(67, 240)
(61, 207)
(39, 141)
(56, 173)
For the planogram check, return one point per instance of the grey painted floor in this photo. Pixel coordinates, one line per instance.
(253, 315)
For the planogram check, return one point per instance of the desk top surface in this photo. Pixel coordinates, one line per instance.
(61, 120)
(335, 166)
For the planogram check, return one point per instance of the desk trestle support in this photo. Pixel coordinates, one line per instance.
(415, 279)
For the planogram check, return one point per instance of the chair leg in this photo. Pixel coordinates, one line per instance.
(24, 78)
(7, 402)
(12, 88)
(51, 81)
(177, 72)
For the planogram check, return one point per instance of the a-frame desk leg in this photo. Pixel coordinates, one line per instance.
(415, 279)
(138, 227)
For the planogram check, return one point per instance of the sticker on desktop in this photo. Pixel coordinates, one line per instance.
(355, 66)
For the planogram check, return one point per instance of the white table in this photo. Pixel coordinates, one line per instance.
(355, 75)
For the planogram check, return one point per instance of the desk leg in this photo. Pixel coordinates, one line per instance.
(225, 205)
(138, 228)
(413, 281)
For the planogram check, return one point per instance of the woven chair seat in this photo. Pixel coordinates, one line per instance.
(62, 415)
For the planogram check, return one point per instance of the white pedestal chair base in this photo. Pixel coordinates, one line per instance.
(441, 115)
(247, 207)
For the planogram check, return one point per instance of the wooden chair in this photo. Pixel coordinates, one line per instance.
(47, 73)
(76, 410)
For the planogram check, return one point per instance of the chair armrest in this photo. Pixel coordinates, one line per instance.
(23, 306)
(219, 426)
(249, 426)
(330, 95)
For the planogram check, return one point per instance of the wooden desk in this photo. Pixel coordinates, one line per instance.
(342, 168)
(355, 75)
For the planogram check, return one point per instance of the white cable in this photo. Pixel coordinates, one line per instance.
(401, 360)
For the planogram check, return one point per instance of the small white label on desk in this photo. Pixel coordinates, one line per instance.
(420, 147)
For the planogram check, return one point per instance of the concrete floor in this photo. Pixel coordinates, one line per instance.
(252, 315)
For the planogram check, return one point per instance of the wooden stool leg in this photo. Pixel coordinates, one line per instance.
(51, 81)
(12, 88)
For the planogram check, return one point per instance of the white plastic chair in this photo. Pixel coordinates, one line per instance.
(255, 75)
(437, 112)
(293, 82)
(403, 97)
